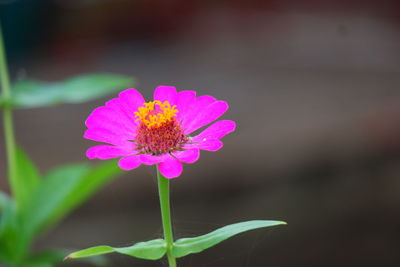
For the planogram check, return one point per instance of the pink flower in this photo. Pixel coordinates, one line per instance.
(157, 132)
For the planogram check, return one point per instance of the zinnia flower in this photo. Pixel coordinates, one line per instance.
(157, 132)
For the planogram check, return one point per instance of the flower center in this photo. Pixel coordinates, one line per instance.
(158, 132)
(156, 113)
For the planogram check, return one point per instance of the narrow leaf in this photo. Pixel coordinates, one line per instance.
(28, 178)
(149, 250)
(62, 190)
(31, 93)
(186, 246)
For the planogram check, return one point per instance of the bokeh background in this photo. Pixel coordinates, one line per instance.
(313, 86)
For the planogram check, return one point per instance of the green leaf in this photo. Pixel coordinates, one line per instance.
(186, 246)
(8, 225)
(55, 257)
(32, 94)
(13, 245)
(43, 259)
(28, 178)
(63, 189)
(5, 201)
(149, 250)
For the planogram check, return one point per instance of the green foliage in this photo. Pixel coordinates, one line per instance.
(47, 201)
(4, 201)
(10, 240)
(149, 250)
(63, 189)
(40, 202)
(186, 246)
(155, 249)
(28, 178)
(49, 258)
(32, 94)
(43, 259)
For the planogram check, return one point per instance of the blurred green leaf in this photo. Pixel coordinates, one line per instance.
(12, 244)
(4, 201)
(149, 250)
(186, 246)
(54, 257)
(43, 259)
(32, 94)
(63, 189)
(28, 178)
(7, 226)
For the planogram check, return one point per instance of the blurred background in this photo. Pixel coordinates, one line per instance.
(312, 85)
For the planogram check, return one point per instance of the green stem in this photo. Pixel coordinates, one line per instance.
(163, 191)
(7, 119)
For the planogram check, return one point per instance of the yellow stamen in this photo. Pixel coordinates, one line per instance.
(152, 116)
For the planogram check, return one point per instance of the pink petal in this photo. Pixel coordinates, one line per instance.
(207, 115)
(126, 113)
(131, 100)
(126, 105)
(150, 159)
(209, 145)
(106, 136)
(166, 93)
(216, 131)
(170, 167)
(129, 162)
(113, 120)
(188, 156)
(108, 152)
(185, 100)
(199, 104)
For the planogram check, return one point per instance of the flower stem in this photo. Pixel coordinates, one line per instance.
(7, 119)
(163, 191)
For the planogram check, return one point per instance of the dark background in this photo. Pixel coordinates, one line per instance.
(312, 85)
